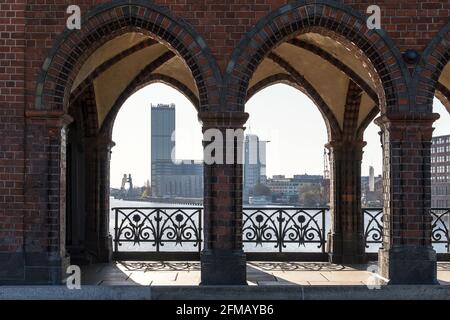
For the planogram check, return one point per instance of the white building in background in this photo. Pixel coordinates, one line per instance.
(254, 163)
(371, 179)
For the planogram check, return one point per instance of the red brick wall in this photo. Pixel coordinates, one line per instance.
(12, 97)
(28, 30)
(411, 23)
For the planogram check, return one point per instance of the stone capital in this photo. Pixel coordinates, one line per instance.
(99, 143)
(338, 145)
(408, 127)
(52, 119)
(406, 119)
(222, 120)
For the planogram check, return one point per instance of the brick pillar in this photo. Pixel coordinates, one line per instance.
(92, 202)
(223, 260)
(45, 258)
(98, 239)
(105, 239)
(346, 239)
(407, 255)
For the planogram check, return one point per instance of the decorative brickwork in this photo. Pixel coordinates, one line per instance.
(108, 21)
(434, 59)
(222, 44)
(223, 259)
(407, 252)
(299, 17)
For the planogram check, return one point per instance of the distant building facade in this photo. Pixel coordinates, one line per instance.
(162, 129)
(288, 188)
(254, 163)
(171, 178)
(177, 180)
(440, 172)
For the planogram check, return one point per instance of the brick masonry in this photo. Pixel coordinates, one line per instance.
(222, 44)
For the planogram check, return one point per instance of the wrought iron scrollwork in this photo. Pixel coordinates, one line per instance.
(279, 227)
(158, 226)
(440, 226)
(374, 225)
(284, 225)
(260, 226)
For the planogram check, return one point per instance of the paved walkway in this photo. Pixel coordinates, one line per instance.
(258, 273)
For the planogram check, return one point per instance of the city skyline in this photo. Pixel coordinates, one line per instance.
(133, 124)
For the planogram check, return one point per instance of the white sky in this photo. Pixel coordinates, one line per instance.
(281, 114)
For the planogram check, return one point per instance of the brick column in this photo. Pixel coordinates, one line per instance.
(407, 255)
(346, 239)
(223, 260)
(105, 145)
(98, 239)
(45, 258)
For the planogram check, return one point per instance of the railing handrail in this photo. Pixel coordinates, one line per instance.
(202, 207)
(156, 208)
(287, 208)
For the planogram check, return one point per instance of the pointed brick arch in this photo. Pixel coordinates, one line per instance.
(142, 80)
(433, 61)
(108, 21)
(327, 17)
(301, 84)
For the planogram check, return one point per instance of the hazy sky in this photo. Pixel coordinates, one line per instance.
(280, 114)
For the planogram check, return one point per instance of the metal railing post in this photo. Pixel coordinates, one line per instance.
(158, 231)
(116, 229)
(448, 230)
(323, 230)
(200, 230)
(280, 233)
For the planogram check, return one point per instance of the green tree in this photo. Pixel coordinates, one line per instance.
(311, 195)
(261, 190)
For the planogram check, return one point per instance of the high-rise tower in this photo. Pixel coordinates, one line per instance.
(162, 127)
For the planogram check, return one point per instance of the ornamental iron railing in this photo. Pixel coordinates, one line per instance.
(440, 227)
(283, 226)
(373, 222)
(157, 227)
(278, 230)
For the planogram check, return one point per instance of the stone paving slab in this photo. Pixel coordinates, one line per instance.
(258, 274)
(346, 276)
(300, 276)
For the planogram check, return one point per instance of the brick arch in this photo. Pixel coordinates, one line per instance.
(84, 109)
(300, 83)
(327, 17)
(433, 61)
(443, 94)
(138, 83)
(106, 22)
(108, 64)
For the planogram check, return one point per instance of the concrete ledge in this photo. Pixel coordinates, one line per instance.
(291, 292)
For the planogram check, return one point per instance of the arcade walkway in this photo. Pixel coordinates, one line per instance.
(258, 273)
